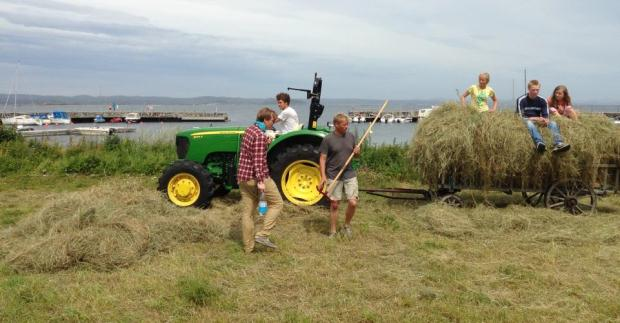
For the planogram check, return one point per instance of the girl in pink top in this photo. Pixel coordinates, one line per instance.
(560, 104)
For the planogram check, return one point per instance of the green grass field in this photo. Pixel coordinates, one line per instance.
(407, 261)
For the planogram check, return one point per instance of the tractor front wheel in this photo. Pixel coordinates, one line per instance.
(187, 183)
(296, 172)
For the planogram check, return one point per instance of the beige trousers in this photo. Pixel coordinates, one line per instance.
(249, 201)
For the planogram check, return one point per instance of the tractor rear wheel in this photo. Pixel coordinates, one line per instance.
(187, 183)
(296, 172)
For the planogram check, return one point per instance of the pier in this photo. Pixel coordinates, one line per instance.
(89, 117)
(414, 116)
(88, 131)
(386, 116)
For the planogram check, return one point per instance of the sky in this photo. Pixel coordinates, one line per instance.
(388, 49)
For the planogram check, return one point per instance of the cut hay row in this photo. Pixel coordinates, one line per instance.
(495, 150)
(81, 229)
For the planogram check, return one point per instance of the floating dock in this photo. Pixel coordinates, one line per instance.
(86, 131)
(412, 116)
(386, 116)
(89, 117)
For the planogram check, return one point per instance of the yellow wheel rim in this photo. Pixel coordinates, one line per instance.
(183, 189)
(299, 182)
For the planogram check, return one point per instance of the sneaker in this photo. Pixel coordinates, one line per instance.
(540, 147)
(348, 232)
(561, 147)
(332, 235)
(265, 242)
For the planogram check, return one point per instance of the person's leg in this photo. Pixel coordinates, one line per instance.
(333, 216)
(274, 207)
(352, 193)
(534, 133)
(335, 196)
(249, 201)
(555, 131)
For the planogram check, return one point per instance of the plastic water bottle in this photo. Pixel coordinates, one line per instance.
(262, 204)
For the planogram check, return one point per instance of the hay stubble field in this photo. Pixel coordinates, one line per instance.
(111, 248)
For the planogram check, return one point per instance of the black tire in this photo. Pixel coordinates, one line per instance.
(187, 183)
(220, 190)
(296, 172)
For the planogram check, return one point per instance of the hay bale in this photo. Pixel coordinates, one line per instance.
(80, 229)
(485, 150)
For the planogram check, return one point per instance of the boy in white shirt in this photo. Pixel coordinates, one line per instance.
(287, 119)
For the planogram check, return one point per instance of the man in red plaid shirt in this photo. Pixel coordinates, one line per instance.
(253, 178)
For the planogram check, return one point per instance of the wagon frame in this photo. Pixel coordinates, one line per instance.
(570, 195)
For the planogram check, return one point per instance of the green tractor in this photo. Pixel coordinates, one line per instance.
(208, 159)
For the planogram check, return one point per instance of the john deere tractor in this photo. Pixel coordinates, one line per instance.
(208, 159)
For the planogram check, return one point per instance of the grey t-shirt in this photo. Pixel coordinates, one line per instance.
(338, 149)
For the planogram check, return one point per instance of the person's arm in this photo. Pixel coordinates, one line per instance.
(322, 163)
(544, 118)
(494, 98)
(463, 96)
(259, 159)
(356, 148)
(279, 118)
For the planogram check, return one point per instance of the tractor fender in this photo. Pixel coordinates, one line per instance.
(298, 137)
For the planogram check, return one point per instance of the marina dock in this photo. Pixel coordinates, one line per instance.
(88, 131)
(414, 116)
(89, 117)
(386, 116)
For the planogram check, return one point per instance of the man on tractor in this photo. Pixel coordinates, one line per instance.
(287, 119)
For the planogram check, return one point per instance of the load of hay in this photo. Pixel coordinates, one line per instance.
(494, 150)
(85, 229)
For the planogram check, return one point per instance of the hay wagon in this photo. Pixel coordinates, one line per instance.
(572, 195)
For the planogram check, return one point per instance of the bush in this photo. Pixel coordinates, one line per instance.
(7, 134)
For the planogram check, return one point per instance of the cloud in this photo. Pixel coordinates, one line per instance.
(397, 49)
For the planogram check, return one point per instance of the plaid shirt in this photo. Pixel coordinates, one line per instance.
(253, 156)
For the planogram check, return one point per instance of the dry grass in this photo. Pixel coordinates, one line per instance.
(108, 226)
(408, 261)
(493, 150)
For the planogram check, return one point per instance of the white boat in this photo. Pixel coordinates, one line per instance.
(387, 118)
(59, 117)
(132, 117)
(423, 113)
(93, 130)
(359, 119)
(401, 120)
(21, 120)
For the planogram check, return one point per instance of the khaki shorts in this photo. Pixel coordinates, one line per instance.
(348, 187)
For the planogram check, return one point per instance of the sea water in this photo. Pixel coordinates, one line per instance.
(242, 112)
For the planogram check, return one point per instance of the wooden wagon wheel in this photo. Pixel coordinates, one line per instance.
(572, 196)
(452, 200)
(533, 198)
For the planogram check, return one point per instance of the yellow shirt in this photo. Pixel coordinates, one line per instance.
(480, 96)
